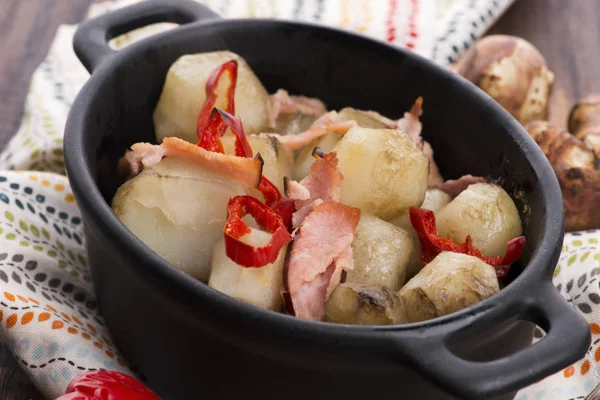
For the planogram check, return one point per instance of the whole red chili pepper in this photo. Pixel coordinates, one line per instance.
(107, 385)
(432, 244)
(245, 254)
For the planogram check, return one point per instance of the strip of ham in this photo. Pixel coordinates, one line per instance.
(327, 123)
(410, 123)
(320, 252)
(247, 171)
(323, 183)
(454, 187)
(283, 103)
(435, 177)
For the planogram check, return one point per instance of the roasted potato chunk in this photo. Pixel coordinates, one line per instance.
(357, 304)
(384, 171)
(178, 209)
(484, 211)
(381, 253)
(184, 93)
(449, 283)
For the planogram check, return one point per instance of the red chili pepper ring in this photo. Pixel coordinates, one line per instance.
(245, 254)
(432, 244)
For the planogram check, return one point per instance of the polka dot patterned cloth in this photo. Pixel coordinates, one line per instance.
(48, 314)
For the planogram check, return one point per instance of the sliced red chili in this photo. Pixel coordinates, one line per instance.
(244, 254)
(242, 146)
(285, 207)
(269, 191)
(432, 244)
(230, 68)
(212, 124)
(106, 385)
(210, 139)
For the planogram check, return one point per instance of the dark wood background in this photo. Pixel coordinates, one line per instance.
(567, 32)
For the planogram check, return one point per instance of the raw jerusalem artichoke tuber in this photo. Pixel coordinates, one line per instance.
(584, 122)
(578, 171)
(513, 72)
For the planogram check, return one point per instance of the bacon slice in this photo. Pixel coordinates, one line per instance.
(323, 183)
(327, 123)
(410, 123)
(142, 155)
(247, 171)
(283, 103)
(435, 177)
(295, 191)
(343, 262)
(320, 252)
(389, 123)
(454, 187)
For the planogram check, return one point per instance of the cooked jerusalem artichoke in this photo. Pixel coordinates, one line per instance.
(385, 172)
(513, 72)
(358, 304)
(258, 286)
(449, 283)
(381, 252)
(578, 171)
(178, 209)
(584, 122)
(183, 95)
(435, 200)
(484, 211)
(328, 142)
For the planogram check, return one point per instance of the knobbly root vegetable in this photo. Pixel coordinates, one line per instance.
(358, 304)
(513, 72)
(578, 171)
(485, 212)
(449, 283)
(381, 253)
(385, 172)
(178, 209)
(584, 122)
(184, 93)
(435, 200)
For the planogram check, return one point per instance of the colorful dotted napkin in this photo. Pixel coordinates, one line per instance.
(48, 314)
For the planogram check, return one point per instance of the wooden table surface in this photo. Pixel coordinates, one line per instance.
(566, 32)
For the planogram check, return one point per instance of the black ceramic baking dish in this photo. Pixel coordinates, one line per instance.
(192, 341)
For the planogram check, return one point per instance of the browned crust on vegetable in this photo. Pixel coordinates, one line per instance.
(578, 171)
(584, 121)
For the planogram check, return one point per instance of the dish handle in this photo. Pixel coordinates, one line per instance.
(567, 339)
(91, 39)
